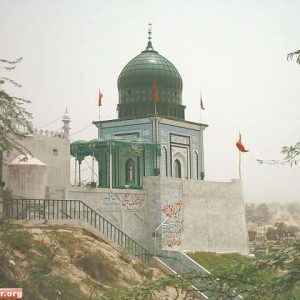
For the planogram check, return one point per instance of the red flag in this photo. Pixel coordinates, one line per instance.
(240, 145)
(201, 103)
(155, 96)
(100, 98)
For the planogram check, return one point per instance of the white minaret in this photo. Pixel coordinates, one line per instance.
(66, 120)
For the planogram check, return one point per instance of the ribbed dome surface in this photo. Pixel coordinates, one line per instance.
(146, 67)
(136, 80)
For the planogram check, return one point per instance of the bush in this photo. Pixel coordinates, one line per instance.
(43, 266)
(125, 256)
(98, 266)
(143, 270)
(54, 287)
(66, 240)
(18, 240)
(42, 249)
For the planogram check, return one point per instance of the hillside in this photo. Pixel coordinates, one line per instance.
(63, 262)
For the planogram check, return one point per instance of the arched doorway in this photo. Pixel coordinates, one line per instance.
(130, 171)
(177, 168)
(164, 162)
(195, 165)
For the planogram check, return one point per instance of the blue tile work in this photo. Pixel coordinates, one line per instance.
(143, 129)
(196, 144)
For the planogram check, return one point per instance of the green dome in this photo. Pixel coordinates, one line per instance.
(135, 86)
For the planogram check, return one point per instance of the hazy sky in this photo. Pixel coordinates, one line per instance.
(232, 51)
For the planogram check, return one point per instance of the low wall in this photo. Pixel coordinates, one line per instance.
(196, 215)
(214, 213)
(123, 208)
(190, 215)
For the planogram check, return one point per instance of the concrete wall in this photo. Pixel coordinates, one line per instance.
(196, 215)
(123, 208)
(27, 181)
(53, 150)
(213, 214)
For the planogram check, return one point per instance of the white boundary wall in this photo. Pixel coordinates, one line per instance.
(212, 214)
(52, 149)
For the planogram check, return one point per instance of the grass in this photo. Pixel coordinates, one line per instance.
(143, 270)
(66, 240)
(98, 266)
(43, 266)
(51, 287)
(18, 240)
(212, 261)
(42, 248)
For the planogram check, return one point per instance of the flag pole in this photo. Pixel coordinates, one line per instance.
(200, 108)
(99, 114)
(240, 163)
(99, 102)
(99, 123)
(99, 110)
(240, 158)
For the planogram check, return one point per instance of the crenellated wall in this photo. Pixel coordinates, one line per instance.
(50, 147)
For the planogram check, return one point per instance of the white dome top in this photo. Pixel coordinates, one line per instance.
(23, 159)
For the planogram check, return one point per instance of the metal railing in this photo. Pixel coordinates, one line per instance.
(44, 209)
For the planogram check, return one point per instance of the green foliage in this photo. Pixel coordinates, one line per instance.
(211, 261)
(43, 266)
(257, 213)
(14, 124)
(275, 276)
(281, 231)
(52, 287)
(295, 54)
(291, 153)
(150, 290)
(125, 256)
(98, 266)
(18, 240)
(143, 269)
(5, 193)
(66, 240)
(43, 249)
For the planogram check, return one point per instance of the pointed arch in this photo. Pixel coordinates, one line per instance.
(130, 171)
(164, 161)
(196, 165)
(177, 168)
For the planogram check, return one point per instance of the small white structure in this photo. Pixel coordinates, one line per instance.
(50, 147)
(27, 177)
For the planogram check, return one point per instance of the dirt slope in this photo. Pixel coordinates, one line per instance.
(61, 262)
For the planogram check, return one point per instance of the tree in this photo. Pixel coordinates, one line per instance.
(262, 213)
(14, 118)
(290, 153)
(275, 276)
(296, 54)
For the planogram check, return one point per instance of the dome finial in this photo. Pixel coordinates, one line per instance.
(149, 45)
(149, 31)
